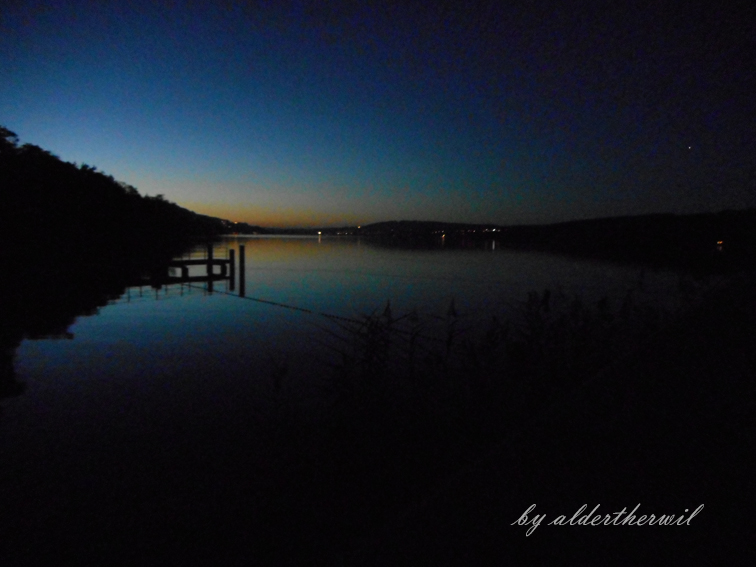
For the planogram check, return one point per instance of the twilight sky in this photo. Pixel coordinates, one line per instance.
(327, 113)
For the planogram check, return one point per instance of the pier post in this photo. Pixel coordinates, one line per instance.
(210, 267)
(232, 270)
(242, 289)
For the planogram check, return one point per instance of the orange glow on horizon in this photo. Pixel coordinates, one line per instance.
(274, 218)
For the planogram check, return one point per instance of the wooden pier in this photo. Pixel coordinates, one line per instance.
(210, 263)
(227, 272)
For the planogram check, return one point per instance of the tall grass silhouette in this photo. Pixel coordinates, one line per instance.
(410, 398)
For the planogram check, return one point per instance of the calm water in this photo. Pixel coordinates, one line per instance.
(185, 345)
(184, 332)
(146, 410)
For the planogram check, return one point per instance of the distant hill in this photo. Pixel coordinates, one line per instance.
(426, 227)
(699, 240)
(705, 241)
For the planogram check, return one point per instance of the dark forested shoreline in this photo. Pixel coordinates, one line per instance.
(72, 238)
(47, 200)
(708, 242)
(704, 242)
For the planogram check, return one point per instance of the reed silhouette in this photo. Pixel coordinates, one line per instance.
(411, 399)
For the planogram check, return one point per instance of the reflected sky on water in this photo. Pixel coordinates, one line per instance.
(183, 329)
(180, 346)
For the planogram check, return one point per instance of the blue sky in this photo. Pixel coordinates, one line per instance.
(291, 113)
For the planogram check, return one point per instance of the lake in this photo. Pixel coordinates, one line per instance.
(183, 330)
(143, 415)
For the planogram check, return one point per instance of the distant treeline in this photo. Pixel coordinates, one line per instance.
(81, 211)
(708, 241)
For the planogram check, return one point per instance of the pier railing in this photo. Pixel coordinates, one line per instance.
(227, 272)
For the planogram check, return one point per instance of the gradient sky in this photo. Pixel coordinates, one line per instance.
(329, 113)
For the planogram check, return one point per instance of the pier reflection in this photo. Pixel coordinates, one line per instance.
(42, 301)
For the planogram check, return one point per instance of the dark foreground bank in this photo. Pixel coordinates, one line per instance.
(671, 428)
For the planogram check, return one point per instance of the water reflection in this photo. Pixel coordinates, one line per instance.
(43, 298)
(345, 277)
(342, 277)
